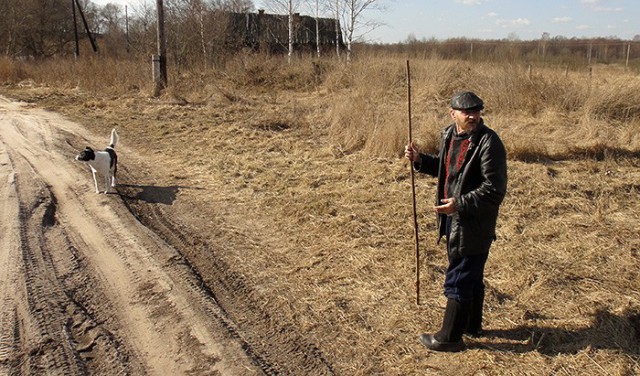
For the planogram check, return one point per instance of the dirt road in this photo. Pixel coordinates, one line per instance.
(84, 287)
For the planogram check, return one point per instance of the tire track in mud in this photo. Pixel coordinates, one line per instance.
(50, 328)
(277, 347)
(99, 293)
(198, 285)
(45, 329)
(9, 265)
(94, 291)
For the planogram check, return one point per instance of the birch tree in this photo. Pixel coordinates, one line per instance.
(338, 35)
(317, 8)
(353, 23)
(318, 27)
(290, 7)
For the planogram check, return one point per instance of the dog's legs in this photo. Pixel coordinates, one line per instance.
(115, 171)
(95, 181)
(106, 184)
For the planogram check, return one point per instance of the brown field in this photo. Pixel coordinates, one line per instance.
(284, 187)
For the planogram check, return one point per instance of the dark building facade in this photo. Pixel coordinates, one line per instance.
(270, 32)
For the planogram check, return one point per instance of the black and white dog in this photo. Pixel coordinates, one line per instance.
(104, 163)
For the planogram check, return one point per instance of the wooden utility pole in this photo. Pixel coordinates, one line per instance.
(628, 52)
(160, 60)
(126, 26)
(75, 29)
(74, 4)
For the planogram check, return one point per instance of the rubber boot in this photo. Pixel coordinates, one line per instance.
(474, 327)
(449, 338)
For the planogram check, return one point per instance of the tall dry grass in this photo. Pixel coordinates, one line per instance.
(93, 74)
(547, 114)
(542, 112)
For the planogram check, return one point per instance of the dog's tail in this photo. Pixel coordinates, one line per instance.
(114, 138)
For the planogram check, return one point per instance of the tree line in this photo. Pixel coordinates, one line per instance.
(201, 32)
(196, 30)
(571, 52)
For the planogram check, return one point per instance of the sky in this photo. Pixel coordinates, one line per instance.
(492, 19)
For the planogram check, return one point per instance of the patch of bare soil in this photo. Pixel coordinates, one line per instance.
(271, 239)
(86, 289)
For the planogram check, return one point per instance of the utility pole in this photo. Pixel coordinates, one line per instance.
(126, 26)
(160, 60)
(86, 28)
(628, 52)
(75, 29)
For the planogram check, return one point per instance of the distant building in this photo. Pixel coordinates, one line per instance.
(270, 32)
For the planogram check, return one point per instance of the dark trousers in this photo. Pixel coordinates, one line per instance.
(464, 279)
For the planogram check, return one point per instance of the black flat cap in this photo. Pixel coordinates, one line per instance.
(466, 100)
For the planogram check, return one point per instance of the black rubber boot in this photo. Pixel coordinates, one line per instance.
(449, 338)
(474, 327)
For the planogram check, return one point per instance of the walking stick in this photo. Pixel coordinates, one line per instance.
(413, 190)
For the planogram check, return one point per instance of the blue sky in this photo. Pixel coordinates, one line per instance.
(495, 19)
(499, 19)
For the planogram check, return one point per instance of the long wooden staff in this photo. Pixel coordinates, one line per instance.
(413, 190)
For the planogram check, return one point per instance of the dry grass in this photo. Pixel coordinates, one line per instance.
(301, 186)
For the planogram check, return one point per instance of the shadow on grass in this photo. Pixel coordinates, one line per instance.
(597, 152)
(151, 194)
(608, 331)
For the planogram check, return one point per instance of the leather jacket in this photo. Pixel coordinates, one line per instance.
(481, 189)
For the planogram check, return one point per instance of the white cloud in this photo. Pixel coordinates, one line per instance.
(583, 27)
(562, 19)
(516, 22)
(492, 14)
(606, 9)
(470, 2)
(596, 7)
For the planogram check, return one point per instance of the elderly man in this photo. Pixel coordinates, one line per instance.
(471, 168)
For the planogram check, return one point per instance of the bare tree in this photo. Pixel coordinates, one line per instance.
(35, 28)
(142, 29)
(184, 31)
(337, 10)
(11, 12)
(290, 7)
(318, 27)
(314, 8)
(110, 22)
(354, 25)
(290, 31)
(234, 6)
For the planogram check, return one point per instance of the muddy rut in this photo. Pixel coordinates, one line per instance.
(85, 288)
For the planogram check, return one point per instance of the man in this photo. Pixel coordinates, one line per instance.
(472, 181)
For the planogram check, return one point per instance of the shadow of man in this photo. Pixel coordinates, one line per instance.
(607, 331)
